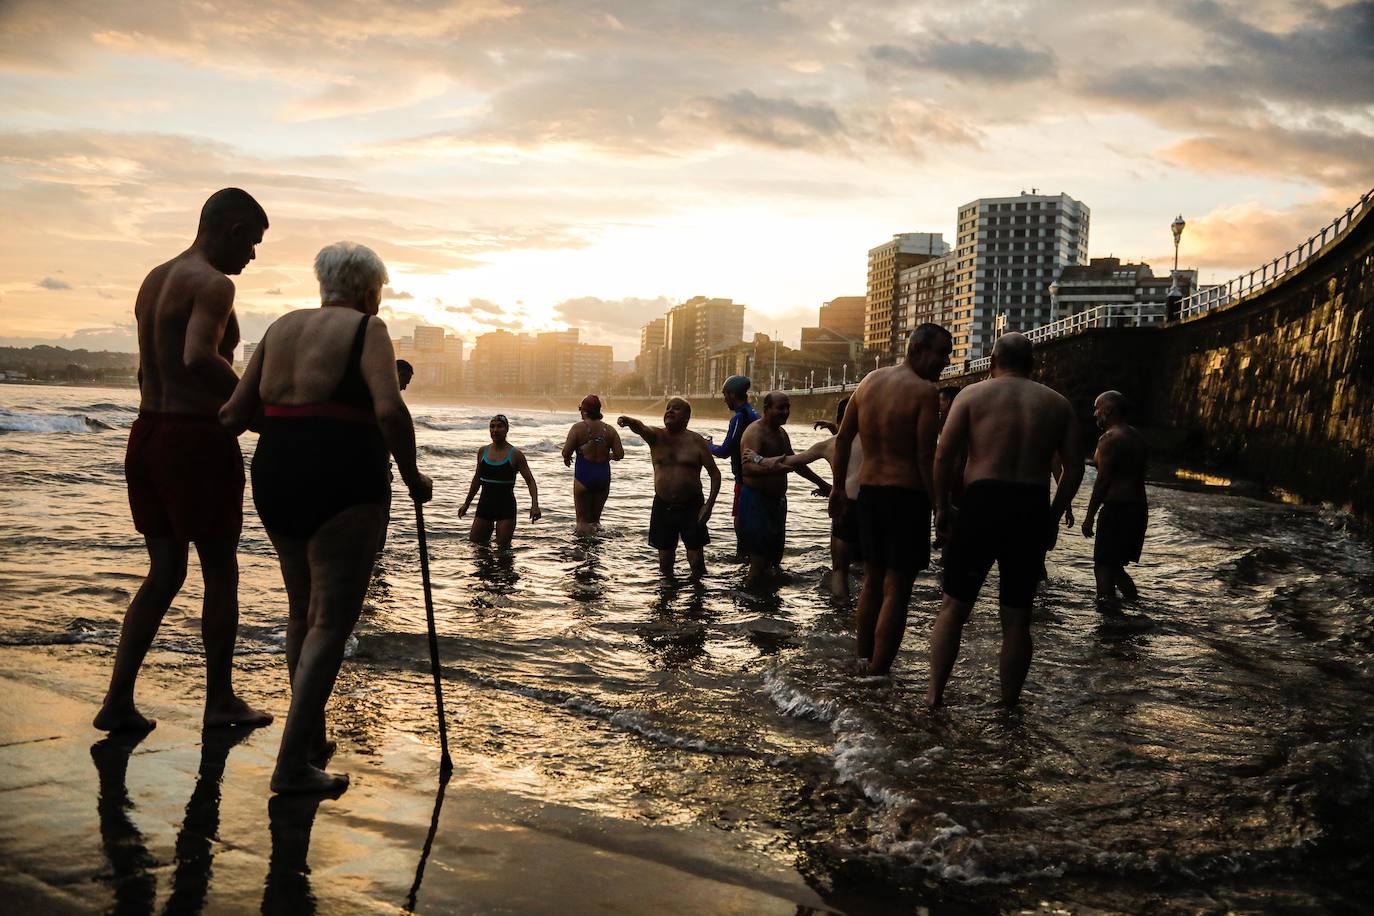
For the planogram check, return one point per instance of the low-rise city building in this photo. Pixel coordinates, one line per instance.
(1107, 281)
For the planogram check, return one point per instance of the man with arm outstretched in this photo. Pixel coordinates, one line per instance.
(679, 511)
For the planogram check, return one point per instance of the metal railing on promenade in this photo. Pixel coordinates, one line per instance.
(1266, 275)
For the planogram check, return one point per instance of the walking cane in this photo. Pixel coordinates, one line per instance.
(445, 762)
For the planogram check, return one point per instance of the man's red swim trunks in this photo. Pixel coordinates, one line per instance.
(185, 477)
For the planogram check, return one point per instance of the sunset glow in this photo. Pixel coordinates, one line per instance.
(536, 165)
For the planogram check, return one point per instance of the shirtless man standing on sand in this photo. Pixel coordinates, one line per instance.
(1010, 428)
(184, 470)
(679, 510)
(762, 521)
(1119, 492)
(895, 412)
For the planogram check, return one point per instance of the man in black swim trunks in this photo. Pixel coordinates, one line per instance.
(1120, 494)
(895, 412)
(1010, 427)
(679, 512)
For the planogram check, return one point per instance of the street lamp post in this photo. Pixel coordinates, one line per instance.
(1175, 296)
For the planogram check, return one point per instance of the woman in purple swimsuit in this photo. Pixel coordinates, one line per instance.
(594, 444)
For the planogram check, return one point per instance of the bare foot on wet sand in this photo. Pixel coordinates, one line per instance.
(235, 712)
(122, 718)
(308, 780)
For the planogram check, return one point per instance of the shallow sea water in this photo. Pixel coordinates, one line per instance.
(1212, 751)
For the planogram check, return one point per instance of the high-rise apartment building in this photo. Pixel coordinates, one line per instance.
(649, 363)
(428, 339)
(692, 331)
(562, 364)
(883, 322)
(437, 359)
(925, 294)
(1009, 251)
(551, 362)
(499, 361)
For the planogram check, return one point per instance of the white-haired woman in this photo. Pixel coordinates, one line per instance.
(325, 380)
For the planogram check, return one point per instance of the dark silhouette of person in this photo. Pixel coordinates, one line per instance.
(1009, 430)
(184, 471)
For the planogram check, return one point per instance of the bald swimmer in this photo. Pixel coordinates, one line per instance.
(679, 511)
(761, 524)
(1011, 428)
(895, 412)
(1119, 493)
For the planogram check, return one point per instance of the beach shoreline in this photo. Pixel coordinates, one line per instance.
(92, 823)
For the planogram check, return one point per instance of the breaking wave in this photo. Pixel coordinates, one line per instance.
(50, 423)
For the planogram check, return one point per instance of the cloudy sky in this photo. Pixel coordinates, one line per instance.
(531, 164)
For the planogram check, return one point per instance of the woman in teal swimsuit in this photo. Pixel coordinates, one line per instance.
(497, 465)
(595, 445)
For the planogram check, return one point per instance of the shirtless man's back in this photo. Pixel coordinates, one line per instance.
(679, 511)
(895, 413)
(1010, 428)
(184, 471)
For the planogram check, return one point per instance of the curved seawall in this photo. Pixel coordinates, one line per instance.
(1277, 388)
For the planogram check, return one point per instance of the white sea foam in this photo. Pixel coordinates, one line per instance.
(791, 701)
(467, 423)
(451, 425)
(50, 423)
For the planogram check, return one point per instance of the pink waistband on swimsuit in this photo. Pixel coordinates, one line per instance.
(326, 409)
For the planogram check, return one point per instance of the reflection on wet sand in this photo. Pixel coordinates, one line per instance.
(429, 841)
(195, 849)
(135, 884)
(287, 888)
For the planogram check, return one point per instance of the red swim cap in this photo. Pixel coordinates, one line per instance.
(591, 406)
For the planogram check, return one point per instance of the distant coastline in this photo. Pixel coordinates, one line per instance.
(78, 383)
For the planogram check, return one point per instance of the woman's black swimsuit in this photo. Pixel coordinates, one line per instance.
(315, 460)
(497, 502)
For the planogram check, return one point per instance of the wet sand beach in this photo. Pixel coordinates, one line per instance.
(180, 820)
(625, 743)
